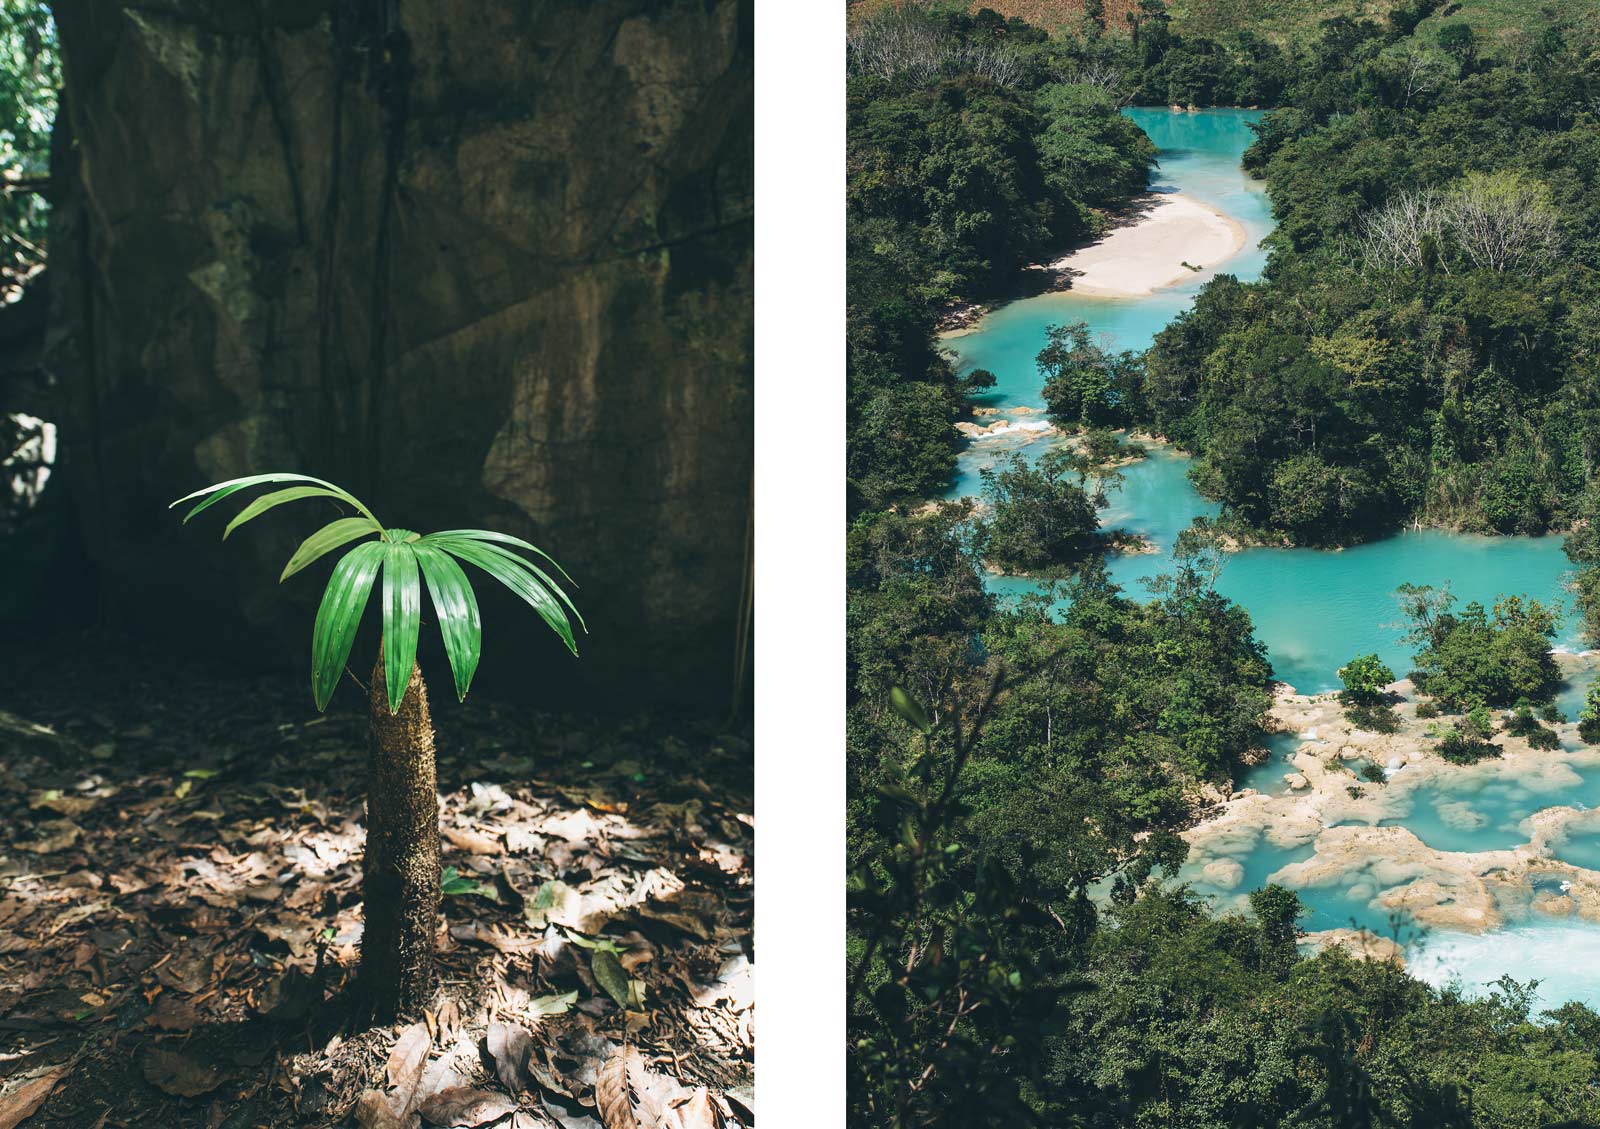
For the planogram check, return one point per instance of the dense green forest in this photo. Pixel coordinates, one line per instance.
(1421, 349)
(30, 74)
(976, 146)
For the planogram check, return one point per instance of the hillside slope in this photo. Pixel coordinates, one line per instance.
(1290, 22)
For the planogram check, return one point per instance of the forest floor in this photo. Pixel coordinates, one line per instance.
(180, 912)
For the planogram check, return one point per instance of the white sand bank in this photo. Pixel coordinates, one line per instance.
(1150, 251)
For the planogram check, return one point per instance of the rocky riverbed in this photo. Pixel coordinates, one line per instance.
(1349, 841)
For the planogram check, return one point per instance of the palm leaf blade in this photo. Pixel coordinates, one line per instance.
(221, 490)
(457, 608)
(506, 539)
(402, 618)
(339, 616)
(324, 541)
(522, 563)
(496, 564)
(270, 501)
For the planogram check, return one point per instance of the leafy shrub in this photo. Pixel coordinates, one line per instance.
(1589, 716)
(1042, 516)
(1427, 709)
(1102, 445)
(1522, 723)
(1377, 719)
(1463, 742)
(1477, 657)
(1543, 738)
(1364, 678)
(1373, 773)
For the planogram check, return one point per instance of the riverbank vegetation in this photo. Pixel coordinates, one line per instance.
(976, 145)
(1419, 350)
(1042, 517)
(1012, 961)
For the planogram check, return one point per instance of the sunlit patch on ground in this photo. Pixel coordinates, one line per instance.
(180, 913)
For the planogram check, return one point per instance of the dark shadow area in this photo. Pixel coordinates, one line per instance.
(487, 267)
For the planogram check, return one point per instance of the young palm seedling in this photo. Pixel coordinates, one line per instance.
(401, 871)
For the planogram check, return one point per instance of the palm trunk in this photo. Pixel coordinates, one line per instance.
(401, 881)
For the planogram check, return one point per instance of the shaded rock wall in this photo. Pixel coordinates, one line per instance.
(487, 263)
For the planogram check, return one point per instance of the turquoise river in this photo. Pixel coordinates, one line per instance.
(1313, 609)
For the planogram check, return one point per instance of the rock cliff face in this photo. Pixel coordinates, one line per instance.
(486, 262)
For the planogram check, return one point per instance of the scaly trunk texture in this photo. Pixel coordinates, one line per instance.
(401, 881)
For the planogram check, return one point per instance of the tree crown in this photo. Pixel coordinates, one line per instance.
(407, 560)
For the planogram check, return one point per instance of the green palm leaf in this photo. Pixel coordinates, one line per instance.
(277, 498)
(407, 560)
(339, 616)
(457, 608)
(222, 490)
(507, 539)
(443, 539)
(510, 570)
(402, 615)
(326, 540)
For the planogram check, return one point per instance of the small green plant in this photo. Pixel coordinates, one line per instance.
(402, 881)
(1545, 739)
(1373, 773)
(1427, 709)
(1101, 445)
(1522, 723)
(1364, 678)
(1376, 719)
(1465, 742)
(1589, 716)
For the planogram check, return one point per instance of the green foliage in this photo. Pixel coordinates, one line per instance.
(1474, 659)
(1068, 733)
(968, 158)
(1589, 716)
(1083, 384)
(1412, 354)
(1375, 718)
(30, 75)
(1101, 447)
(1040, 518)
(943, 990)
(1522, 723)
(405, 559)
(1364, 678)
(1466, 741)
(452, 883)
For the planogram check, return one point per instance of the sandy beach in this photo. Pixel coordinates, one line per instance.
(1150, 251)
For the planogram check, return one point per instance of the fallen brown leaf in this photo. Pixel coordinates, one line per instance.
(410, 1051)
(621, 1105)
(696, 1111)
(21, 1103)
(471, 841)
(508, 1045)
(463, 1105)
(172, 1014)
(54, 835)
(378, 1110)
(496, 939)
